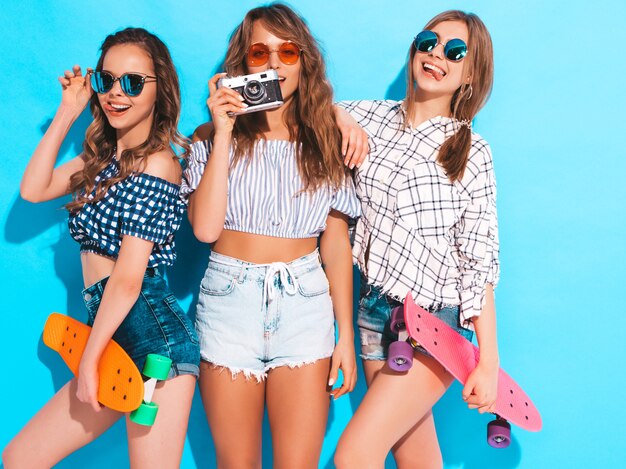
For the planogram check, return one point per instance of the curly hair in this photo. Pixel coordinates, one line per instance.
(309, 115)
(100, 138)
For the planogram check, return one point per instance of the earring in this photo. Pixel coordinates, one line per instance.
(471, 90)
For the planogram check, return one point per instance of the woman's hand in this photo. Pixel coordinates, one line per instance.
(221, 102)
(88, 381)
(344, 358)
(481, 388)
(76, 90)
(354, 146)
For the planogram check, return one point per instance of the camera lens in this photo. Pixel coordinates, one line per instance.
(254, 92)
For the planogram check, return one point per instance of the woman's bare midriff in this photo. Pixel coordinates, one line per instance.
(261, 249)
(95, 267)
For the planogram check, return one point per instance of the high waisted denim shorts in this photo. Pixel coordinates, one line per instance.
(374, 320)
(155, 324)
(255, 317)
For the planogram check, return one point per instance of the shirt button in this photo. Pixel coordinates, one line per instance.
(87, 296)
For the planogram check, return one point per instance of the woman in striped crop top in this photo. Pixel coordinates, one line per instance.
(125, 212)
(264, 187)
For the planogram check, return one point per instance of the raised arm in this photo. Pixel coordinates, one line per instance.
(354, 140)
(207, 205)
(41, 180)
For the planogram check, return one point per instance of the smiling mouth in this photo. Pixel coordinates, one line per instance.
(434, 71)
(116, 109)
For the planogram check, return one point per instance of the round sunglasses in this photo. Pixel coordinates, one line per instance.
(259, 53)
(454, 49)
(131, 83)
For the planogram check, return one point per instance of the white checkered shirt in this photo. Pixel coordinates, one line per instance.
(419, 232)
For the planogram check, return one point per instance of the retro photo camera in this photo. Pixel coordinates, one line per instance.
(260, 91)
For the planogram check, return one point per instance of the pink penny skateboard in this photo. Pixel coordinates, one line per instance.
(416, 326)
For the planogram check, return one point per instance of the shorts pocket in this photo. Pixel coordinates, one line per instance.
(217, 283)
(172, 304)
(313, 283)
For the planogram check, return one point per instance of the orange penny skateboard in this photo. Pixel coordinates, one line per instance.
(121, 386)
(416, 326)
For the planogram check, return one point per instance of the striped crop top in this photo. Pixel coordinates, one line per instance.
(265, 195)
(141, 205)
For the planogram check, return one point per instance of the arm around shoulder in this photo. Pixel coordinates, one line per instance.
(202, 132)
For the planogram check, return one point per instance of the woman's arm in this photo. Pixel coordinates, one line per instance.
(124, 284)
(481, 388)
(337, 258)
(120, 294)
(207, 205)
(354, 143)
(41, 181)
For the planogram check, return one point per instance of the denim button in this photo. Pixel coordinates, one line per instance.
(87, 296)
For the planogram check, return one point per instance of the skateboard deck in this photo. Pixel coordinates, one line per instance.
(459, 356)
(121, 386)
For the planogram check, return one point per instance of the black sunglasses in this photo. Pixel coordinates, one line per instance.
(454, 49)
(131, 83)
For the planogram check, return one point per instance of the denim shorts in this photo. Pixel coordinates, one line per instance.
(255, 317)
(155, 324)
(374, 320)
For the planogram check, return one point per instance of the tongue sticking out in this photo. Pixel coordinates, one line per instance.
(433, 73)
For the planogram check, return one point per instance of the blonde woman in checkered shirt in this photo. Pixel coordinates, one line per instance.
(428, 227)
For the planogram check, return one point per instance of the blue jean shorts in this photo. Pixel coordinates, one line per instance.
(255, 317)
(374, 320)
(155, 324)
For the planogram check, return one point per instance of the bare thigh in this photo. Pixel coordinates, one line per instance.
(161, 445)
(61, 427)
(234, 409)
(419, 447)
(393, 406)
(297, 405)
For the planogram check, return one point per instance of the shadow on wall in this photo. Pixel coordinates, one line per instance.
(462, 435)
(27, 221)
(397, 89)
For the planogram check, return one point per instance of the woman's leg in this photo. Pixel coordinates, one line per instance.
(161, 445)
(421, 440)
(396, 413)
(61, 427)
(297, 405)
(234, 409)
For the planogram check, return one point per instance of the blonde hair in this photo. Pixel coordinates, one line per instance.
(468, 99)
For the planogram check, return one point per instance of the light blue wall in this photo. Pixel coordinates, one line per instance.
(554, 122)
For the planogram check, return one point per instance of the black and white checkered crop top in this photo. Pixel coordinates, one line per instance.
(141, 205)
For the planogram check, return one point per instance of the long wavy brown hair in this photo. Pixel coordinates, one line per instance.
(466, 100)
(100, 138)
(309, 116)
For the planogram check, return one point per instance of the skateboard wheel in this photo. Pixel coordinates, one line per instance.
(499, 433)
(397, 319)
(400, 356)
(157, 366)
(145, 414)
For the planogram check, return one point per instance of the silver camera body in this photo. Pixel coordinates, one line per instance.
(260, 91)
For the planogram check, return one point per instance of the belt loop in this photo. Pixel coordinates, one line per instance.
(242, 274)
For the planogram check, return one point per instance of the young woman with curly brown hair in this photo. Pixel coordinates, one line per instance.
(264, 187)
(125, 212)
